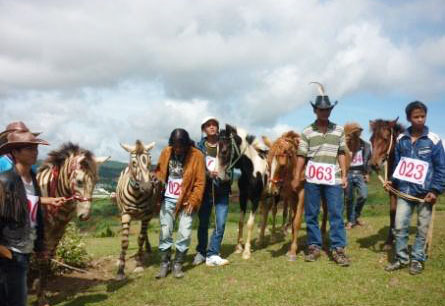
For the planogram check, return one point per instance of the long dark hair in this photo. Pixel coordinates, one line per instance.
(181, 137)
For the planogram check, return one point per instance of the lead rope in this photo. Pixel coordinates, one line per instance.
(389, 187)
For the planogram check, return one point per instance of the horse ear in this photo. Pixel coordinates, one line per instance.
(127, 148)
(393, 122)
(150, 146)
(100, 160)
(371, 124)
(267, 141)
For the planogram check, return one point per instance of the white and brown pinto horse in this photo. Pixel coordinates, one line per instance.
(383, 141)
(70, 172)
(238, 150)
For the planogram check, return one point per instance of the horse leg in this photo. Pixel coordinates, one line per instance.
(392, 220)
(265, 213)
(126, 219)
(41, 282)
(298, 209)
(147, 241)
(284, 224)
(274, 218)
(141, 241)
(243, 207)
(250, 224)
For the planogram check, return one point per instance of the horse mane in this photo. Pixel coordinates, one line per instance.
(351, 127)
(379, 124)
(57, 157)
(287, 141)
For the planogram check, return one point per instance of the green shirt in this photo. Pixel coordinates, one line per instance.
(323, 148)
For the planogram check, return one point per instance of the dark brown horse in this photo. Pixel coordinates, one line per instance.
(383, 141)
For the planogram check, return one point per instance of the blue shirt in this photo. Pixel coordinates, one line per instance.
(7, 164)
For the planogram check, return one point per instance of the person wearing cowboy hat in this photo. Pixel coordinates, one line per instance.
(21, 216)
(216, 194)
(7, 161)
(358, 174)
(322, 152)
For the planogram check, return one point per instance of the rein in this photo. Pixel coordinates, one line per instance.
(53, 187)
(385, 181)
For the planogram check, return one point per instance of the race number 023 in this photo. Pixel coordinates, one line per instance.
(411, 170)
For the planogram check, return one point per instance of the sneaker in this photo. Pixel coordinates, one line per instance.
(199, 259)
(415, 267)
(340, 257)
(313, 252)
(216, 260)
(397, 265)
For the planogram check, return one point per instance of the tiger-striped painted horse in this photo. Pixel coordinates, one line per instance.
(383, 143)
(238, 150)
(136, 196)
(69, 172)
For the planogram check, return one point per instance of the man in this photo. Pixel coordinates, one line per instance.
(216, 194)
(358, 175)
(420, 173)
(181, 169)
(322, 151)
(21, 217)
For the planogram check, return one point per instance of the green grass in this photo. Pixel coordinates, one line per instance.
(268, 278)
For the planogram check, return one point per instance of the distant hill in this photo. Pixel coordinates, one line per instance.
(109, 174)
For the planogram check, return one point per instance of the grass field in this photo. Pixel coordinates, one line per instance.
(268, 278)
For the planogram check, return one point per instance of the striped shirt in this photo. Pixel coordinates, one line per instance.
(323, 148)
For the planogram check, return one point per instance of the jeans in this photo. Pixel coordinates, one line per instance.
(404, 212)
(354, 206)
(13, 277)
(334, 197)
(167, 220)
(221, 211)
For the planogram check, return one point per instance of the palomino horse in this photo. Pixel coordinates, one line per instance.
(237, 150)
(69, 172)
(136, 197)
(383, 141)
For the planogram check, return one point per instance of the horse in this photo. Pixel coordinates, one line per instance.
(237, 149)
(70, 172)
(383, 141)
(136, 196)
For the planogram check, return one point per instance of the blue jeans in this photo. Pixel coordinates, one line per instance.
(13, 276)
(167, 220)
(221, 211)
(404, 212)
(312, 200)
(354, 206)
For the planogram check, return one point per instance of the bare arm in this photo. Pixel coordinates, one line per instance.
(342, 163)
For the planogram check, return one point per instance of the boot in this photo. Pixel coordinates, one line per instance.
(165, 264)
(177, 266)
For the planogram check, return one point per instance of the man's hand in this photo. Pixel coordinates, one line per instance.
(188, 208)
(213, 174)
(5, 252)
(344, 182)
(387, 185)
(295, 183)
(53, 201)
(366, 178)
(431, 198)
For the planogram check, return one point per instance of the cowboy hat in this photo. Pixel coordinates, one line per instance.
(15, 126)
(17, 140)
(322, 100)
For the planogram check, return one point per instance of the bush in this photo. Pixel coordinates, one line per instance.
(103, 229)
(71, 249)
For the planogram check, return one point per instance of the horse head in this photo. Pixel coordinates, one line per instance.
(139, 165)
(382, 140)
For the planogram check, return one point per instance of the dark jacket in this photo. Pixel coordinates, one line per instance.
(428, 148)
(219, 187)
(366, 149)
(14, 217)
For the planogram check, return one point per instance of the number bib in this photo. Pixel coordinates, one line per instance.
(320, 173)
(358, 159)
(211, 163)
(411, 170)
(173, 189)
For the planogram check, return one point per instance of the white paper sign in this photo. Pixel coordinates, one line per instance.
(211, 163)
(320, 173)
(411, 170)
(358, 159)
(173, 189)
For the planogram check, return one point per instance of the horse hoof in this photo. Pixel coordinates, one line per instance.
(387, 247)
(120, 277)
(292, 258)
(246, 255)
(239, 249)
(138, 270)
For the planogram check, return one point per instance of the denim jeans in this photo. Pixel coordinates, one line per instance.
(221, 211)
(312, 200)
(404, 212)
(167, 220)
(354, 206)
(13, 276)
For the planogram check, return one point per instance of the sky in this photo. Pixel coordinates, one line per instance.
(100, 73)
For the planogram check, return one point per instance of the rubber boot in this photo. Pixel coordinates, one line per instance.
(177, 265)
(165, 264)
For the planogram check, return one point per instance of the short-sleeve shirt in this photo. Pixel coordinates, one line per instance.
(323, 148)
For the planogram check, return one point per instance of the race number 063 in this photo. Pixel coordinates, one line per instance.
(320, 173)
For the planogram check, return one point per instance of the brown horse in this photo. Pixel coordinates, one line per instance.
(383, 141)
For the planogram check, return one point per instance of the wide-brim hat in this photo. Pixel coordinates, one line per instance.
(17, 140)
(18, 126)
(322, 102)
(207, 119)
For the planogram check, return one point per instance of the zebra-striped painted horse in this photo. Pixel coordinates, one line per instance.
(136, 196)
(69, 172)
(239, 150)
